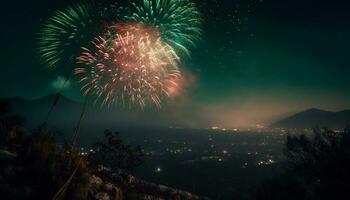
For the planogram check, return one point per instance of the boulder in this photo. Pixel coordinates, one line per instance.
(95, 181)
(109, 187)
(102, 196)
(6, 156)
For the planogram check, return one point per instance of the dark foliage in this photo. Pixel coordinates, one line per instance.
(10, 124)
(42, 167)
(114, 154)
(45, 167)
(316, 167)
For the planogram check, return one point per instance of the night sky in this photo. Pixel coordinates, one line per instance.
(258, 59)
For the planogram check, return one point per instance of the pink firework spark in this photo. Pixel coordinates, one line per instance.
(129, 66)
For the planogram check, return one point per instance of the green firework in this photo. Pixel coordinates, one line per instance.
(178, 21)
(63, 34)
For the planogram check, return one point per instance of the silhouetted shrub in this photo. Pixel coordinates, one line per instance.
(113, 153)
(45, 168)
(316, 167)
(10, 123)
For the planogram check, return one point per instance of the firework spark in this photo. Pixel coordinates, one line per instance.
(179, 21)
(63, 34)
(131, 66)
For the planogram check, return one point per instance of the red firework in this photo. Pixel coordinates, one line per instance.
(129, 66)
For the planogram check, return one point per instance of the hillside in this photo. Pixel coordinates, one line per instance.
(315, 118)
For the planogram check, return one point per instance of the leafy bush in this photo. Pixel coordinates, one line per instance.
(51, 170)
(317, 167)
(113, 153)
(10, 124)
(45, 167)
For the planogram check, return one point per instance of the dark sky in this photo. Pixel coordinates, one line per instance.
(258, 59)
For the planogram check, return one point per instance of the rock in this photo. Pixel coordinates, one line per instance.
(102, 196)
(7, 156)
(95, 181)
(134, 188)
(108, 187)
(119, 194)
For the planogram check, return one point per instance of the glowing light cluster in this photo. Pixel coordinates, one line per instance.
(129, 65)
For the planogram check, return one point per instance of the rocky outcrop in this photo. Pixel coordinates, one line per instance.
(117, 184)
(104, 184)
(6, 156)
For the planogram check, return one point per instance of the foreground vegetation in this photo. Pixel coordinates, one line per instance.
(34, 166)
(316, 167)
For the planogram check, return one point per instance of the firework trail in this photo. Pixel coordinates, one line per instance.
(112, 12)
(178, 21)
(63, 34)
(129, 66)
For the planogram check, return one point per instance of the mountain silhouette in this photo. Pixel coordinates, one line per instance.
(35, 111)
(315, 118)
(65, 115)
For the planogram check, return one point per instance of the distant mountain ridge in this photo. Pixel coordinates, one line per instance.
(315, 118)
(35, 111)
(66, 113)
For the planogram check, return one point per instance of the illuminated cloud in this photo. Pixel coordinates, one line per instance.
(61, 83)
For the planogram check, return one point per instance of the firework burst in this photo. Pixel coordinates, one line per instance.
(131, 66)
(178, 21)
(63, 34)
